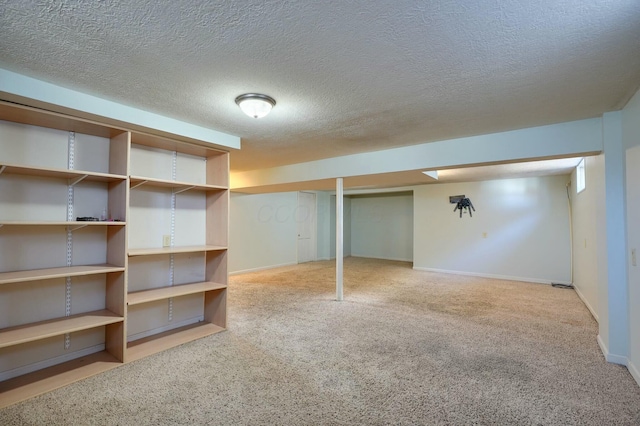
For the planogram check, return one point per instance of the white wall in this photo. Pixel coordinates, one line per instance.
(323, 216)
(586, 222)
(525, 220)
(262, 231)
(633, 240)
(332, 227)
(613, 334)
(602, 264)
(347, 243)
(382, 226)
(631, 136)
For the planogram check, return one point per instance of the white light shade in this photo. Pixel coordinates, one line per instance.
(255, 105)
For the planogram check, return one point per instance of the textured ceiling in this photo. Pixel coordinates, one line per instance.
(348, 77)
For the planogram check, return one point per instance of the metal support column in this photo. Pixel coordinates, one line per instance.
(339, 238)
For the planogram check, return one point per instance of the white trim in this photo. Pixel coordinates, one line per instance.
(586, 303)
(382, 258)
(26, 369)
(581, 179)
(617, 359)
(612, 358)
(635, 373)
(261, 268)
(158, 330)
(603, 347)
(494, 276)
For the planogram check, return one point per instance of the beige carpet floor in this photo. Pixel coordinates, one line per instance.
(405, 347)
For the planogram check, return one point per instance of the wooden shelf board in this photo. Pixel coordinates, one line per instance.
(190, 146)
(146, 296)
(39, 117)
(169, 339)
(170, 250)
(62, 272)
(56, 327)
(42, 381)
(59, 223)
(139, 180)
(59, 173)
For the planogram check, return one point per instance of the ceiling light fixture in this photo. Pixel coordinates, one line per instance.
(255, 105)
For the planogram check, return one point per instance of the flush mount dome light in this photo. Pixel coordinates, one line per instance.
(255, 105)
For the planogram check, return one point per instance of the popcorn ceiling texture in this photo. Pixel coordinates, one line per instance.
(348, 76)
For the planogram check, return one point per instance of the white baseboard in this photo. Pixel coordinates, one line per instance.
(494, 276)
(617, 359)
(142, 335)
(261, 268)
(397, 259)
(603, 347)
(26, 369)
(635, 373)
(586, 303)
(612, 358)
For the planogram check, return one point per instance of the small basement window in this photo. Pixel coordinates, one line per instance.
(581, 183)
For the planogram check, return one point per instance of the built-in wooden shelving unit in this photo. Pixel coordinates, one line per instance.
(174, 250)
(61, 272)
(56, 327)
(137, 181)
(47, 379)
(169, 308)
(74, 175)
(169, 339)
(75, 290)
(73, 223)
(146, 296)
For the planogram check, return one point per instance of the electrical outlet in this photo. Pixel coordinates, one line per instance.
(166, 240)
(633, 257)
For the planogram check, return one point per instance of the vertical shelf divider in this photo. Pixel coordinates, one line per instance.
(117, 243)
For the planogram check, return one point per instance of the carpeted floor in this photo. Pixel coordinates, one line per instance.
(405, 347)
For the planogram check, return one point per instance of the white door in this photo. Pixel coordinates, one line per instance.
(306, 220)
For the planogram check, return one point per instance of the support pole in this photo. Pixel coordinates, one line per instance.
(339, 238)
